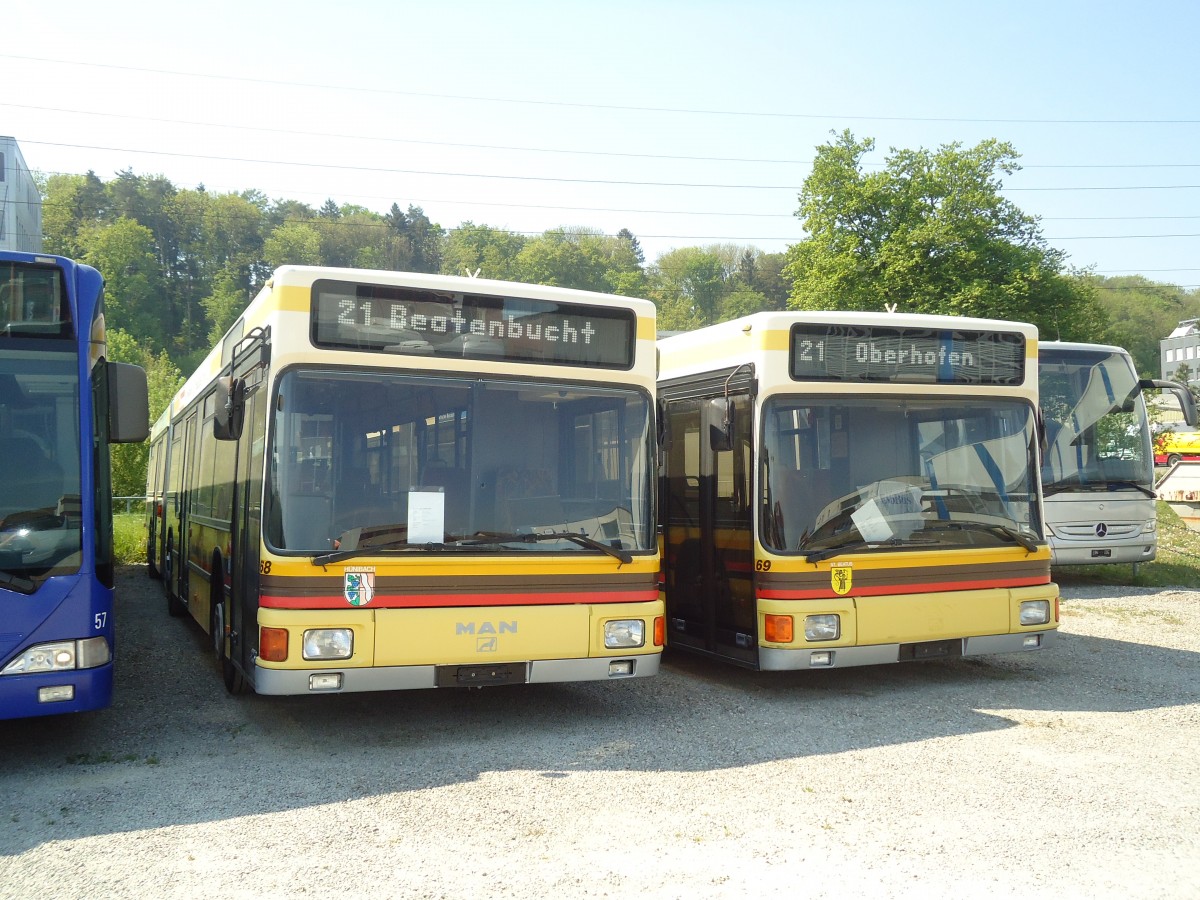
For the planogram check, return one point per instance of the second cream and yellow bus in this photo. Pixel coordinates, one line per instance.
(385, 480)
(844, 489)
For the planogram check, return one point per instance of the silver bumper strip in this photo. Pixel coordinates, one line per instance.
(406, 678)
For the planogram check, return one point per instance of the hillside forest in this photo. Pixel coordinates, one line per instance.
(930, 233)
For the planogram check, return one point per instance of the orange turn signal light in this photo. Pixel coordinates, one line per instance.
(273, 644)
(777, 629)
(660, 631)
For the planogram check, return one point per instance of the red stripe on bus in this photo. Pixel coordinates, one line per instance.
(413, 601)
(876, 591)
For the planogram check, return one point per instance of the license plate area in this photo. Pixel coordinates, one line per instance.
(482, 676)
(1102, 554)
(931, 650)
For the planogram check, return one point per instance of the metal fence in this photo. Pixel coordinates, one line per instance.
(129, 505)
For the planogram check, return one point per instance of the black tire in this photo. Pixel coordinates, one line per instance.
(1172, 459)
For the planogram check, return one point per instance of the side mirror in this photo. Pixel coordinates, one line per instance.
(720, 427)
(231, 409)
(1187, 404)
(128, 403)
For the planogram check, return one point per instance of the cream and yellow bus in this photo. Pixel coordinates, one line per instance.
(843, 489)
(385, 480)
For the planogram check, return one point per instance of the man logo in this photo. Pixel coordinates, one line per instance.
(487, 645)
(483, 628)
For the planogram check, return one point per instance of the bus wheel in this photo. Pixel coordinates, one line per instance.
(1172, 459)
(175, 609)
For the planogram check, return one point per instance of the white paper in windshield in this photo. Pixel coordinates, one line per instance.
(426, 517)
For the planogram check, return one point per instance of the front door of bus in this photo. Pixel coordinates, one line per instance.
(247, 527)
(706, 531)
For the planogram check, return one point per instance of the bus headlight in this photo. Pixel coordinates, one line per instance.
(1035, 612)
(822, 628)
(61, 656)
(328, 643)
(621, 634)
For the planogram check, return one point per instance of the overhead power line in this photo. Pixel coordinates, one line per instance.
(741, 113)
(481, 175)
(415, 141)
(524, 149)
(547, 178)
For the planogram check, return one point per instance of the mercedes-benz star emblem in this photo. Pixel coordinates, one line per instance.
(1101, 529)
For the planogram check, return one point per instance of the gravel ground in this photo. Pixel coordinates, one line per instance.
(1067, 773)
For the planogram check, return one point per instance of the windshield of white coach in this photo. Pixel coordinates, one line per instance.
(392, 461)
(1097, 433)
(887, 472)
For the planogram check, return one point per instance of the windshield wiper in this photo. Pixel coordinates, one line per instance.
(479, 539)
(892, 543)
(1118, 485)
(390, 546)
(533, 537)
(1017, 537)
(837, 549)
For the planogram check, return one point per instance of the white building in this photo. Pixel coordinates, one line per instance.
(1182, 348)
(20, 201)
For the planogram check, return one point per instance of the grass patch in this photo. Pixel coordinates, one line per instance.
(129, 539)
(1177, 564)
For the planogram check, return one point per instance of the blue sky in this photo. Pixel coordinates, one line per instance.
(687, 123)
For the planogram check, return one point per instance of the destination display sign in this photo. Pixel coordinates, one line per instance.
(384, 319)
(33, 300)
(841, 352)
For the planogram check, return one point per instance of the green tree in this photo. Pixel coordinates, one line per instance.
(581, 258)
(1139, 313)
(930, 233)
(295, 243)
(354, 238)
(688, 285)
(761, 274)
(426, 241)
(163, 379)
(69, 202)
(482, 250)
(626, 235)
(224, 304)
(133, 284)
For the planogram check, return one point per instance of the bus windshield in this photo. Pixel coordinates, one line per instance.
(383, 461)
(883, 472)
(1097, 434)
(39, 465)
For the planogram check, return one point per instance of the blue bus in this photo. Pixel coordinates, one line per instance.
(61, 403)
